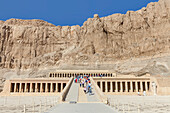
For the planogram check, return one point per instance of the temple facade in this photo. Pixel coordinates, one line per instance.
(107, 81)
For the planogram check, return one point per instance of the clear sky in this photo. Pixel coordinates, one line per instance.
(66, 12)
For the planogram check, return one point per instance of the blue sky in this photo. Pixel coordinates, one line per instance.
(66, 12)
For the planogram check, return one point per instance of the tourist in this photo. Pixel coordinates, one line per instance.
(90, 90)
(144, 93)
(138, 93)
(86, 81)
(85, 90)
(80, 84)
(83, 83)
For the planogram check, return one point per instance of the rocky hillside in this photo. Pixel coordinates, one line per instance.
(29, 44)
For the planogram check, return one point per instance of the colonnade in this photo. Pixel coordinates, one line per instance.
(68, 75)
(123, 86)
(39, 87)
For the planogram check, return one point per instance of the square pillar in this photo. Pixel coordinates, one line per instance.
(15, 87)
(51, 90)
(146, 86)
(136, 86)
(20, 87)
(121, 86)
(111, 86)
(116, 87)
(131, 86)
(61, 87)
(25, 89)
(141, 86)
(101, 85)
(126, 86)
(36, 89)
(30, 87)
(56, 87)
(106, 87)
(46, 88)
(41, 87)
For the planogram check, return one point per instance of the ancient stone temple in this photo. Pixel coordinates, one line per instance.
(107, 81)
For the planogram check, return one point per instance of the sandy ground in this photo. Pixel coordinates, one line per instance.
(140, 104)
(15, 104)
(121, 104)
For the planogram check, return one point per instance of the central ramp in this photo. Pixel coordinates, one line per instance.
(73, 93)
(77, 94)
(86, 98)
(82, 108)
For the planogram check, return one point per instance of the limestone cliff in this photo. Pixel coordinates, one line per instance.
(28, 44)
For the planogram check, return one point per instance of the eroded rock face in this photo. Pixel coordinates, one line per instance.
(28, 44)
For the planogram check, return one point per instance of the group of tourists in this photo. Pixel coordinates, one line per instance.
(85, 83)
(144, 93)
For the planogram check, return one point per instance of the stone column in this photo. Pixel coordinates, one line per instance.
(51, 90)
(36, 89)
(126, 86)
(146, 86)
(20, 87)
(30, 87)
(131, 86)
(136, 86)
(41, 90)
(116, 86)
(111, 86)
(25, 89)
(101, 85)
(56, 87)
(15, 87)
(121, 86)
(46, 88)
(106, 87)
(141, 86)
(61, 87)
